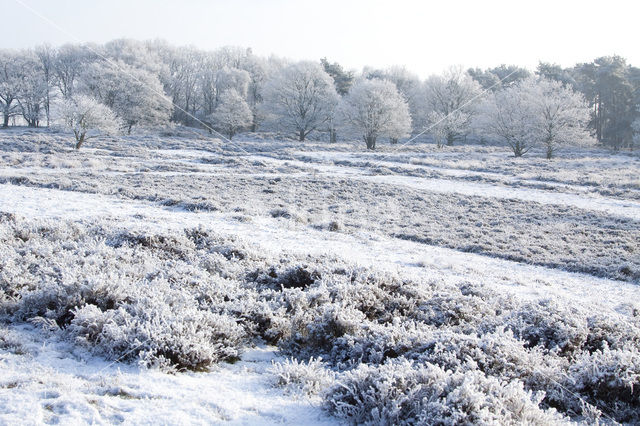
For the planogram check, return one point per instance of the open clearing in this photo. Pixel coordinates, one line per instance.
(178, 276)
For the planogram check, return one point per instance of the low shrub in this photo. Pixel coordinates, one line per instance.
(401, 392)
(441, 350)
(300, 377)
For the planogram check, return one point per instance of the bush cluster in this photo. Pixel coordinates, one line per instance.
(393, 350)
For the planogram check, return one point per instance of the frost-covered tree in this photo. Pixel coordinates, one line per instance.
(9, 84)
(300, 98)
(535, 111)
(136, 96)
(207, 84)
(189, 62)
(496, 78)
(181, 80)
(232, 56)
(69, 62)
(232, 79)
(407, 83)
(46, 55)
(258, 71)
(23, 86)
(449, 104)
(509, 115)
(636, 130)
(33, 88)
(562, 114)
(342, 81)
(215, 78)
(442, 126)
(233, 113)
(374, 108)
(87, 118)
(135, 53)
(400, 126)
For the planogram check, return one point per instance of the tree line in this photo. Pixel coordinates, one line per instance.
(125, 84)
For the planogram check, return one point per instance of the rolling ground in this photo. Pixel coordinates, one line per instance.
(464, 267)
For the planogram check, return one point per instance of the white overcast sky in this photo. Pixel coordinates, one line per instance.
(424, 36)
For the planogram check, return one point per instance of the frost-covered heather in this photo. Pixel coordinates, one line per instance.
(400, 392)
(375, 346)
(579, 171)
(559, 225)
(393, 349)
(307, 377)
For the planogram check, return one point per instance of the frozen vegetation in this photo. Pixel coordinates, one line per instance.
(273, 281)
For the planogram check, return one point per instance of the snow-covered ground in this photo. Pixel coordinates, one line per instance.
(410, 258)
(48, 379)
(626, 208)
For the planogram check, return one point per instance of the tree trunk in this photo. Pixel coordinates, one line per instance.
(394, 141)
(549, 150)
(599, 136)
(517, 149)
(47, 105)
(129, 129)
(301, 136)
(5, 122)
(370, 141)
(80, 140)
(333, 136)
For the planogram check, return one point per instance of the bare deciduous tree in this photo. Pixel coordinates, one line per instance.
(46, 55)
(9, 84)
(509, 115)
(233, 113)
(69, 62)
(535, 111)
(563, 115)
(133, 94)
(449, 102)
(300, 98)
(87, 118)
(33, 88)
(374, 108)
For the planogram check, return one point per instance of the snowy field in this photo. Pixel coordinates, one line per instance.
(178, 277)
